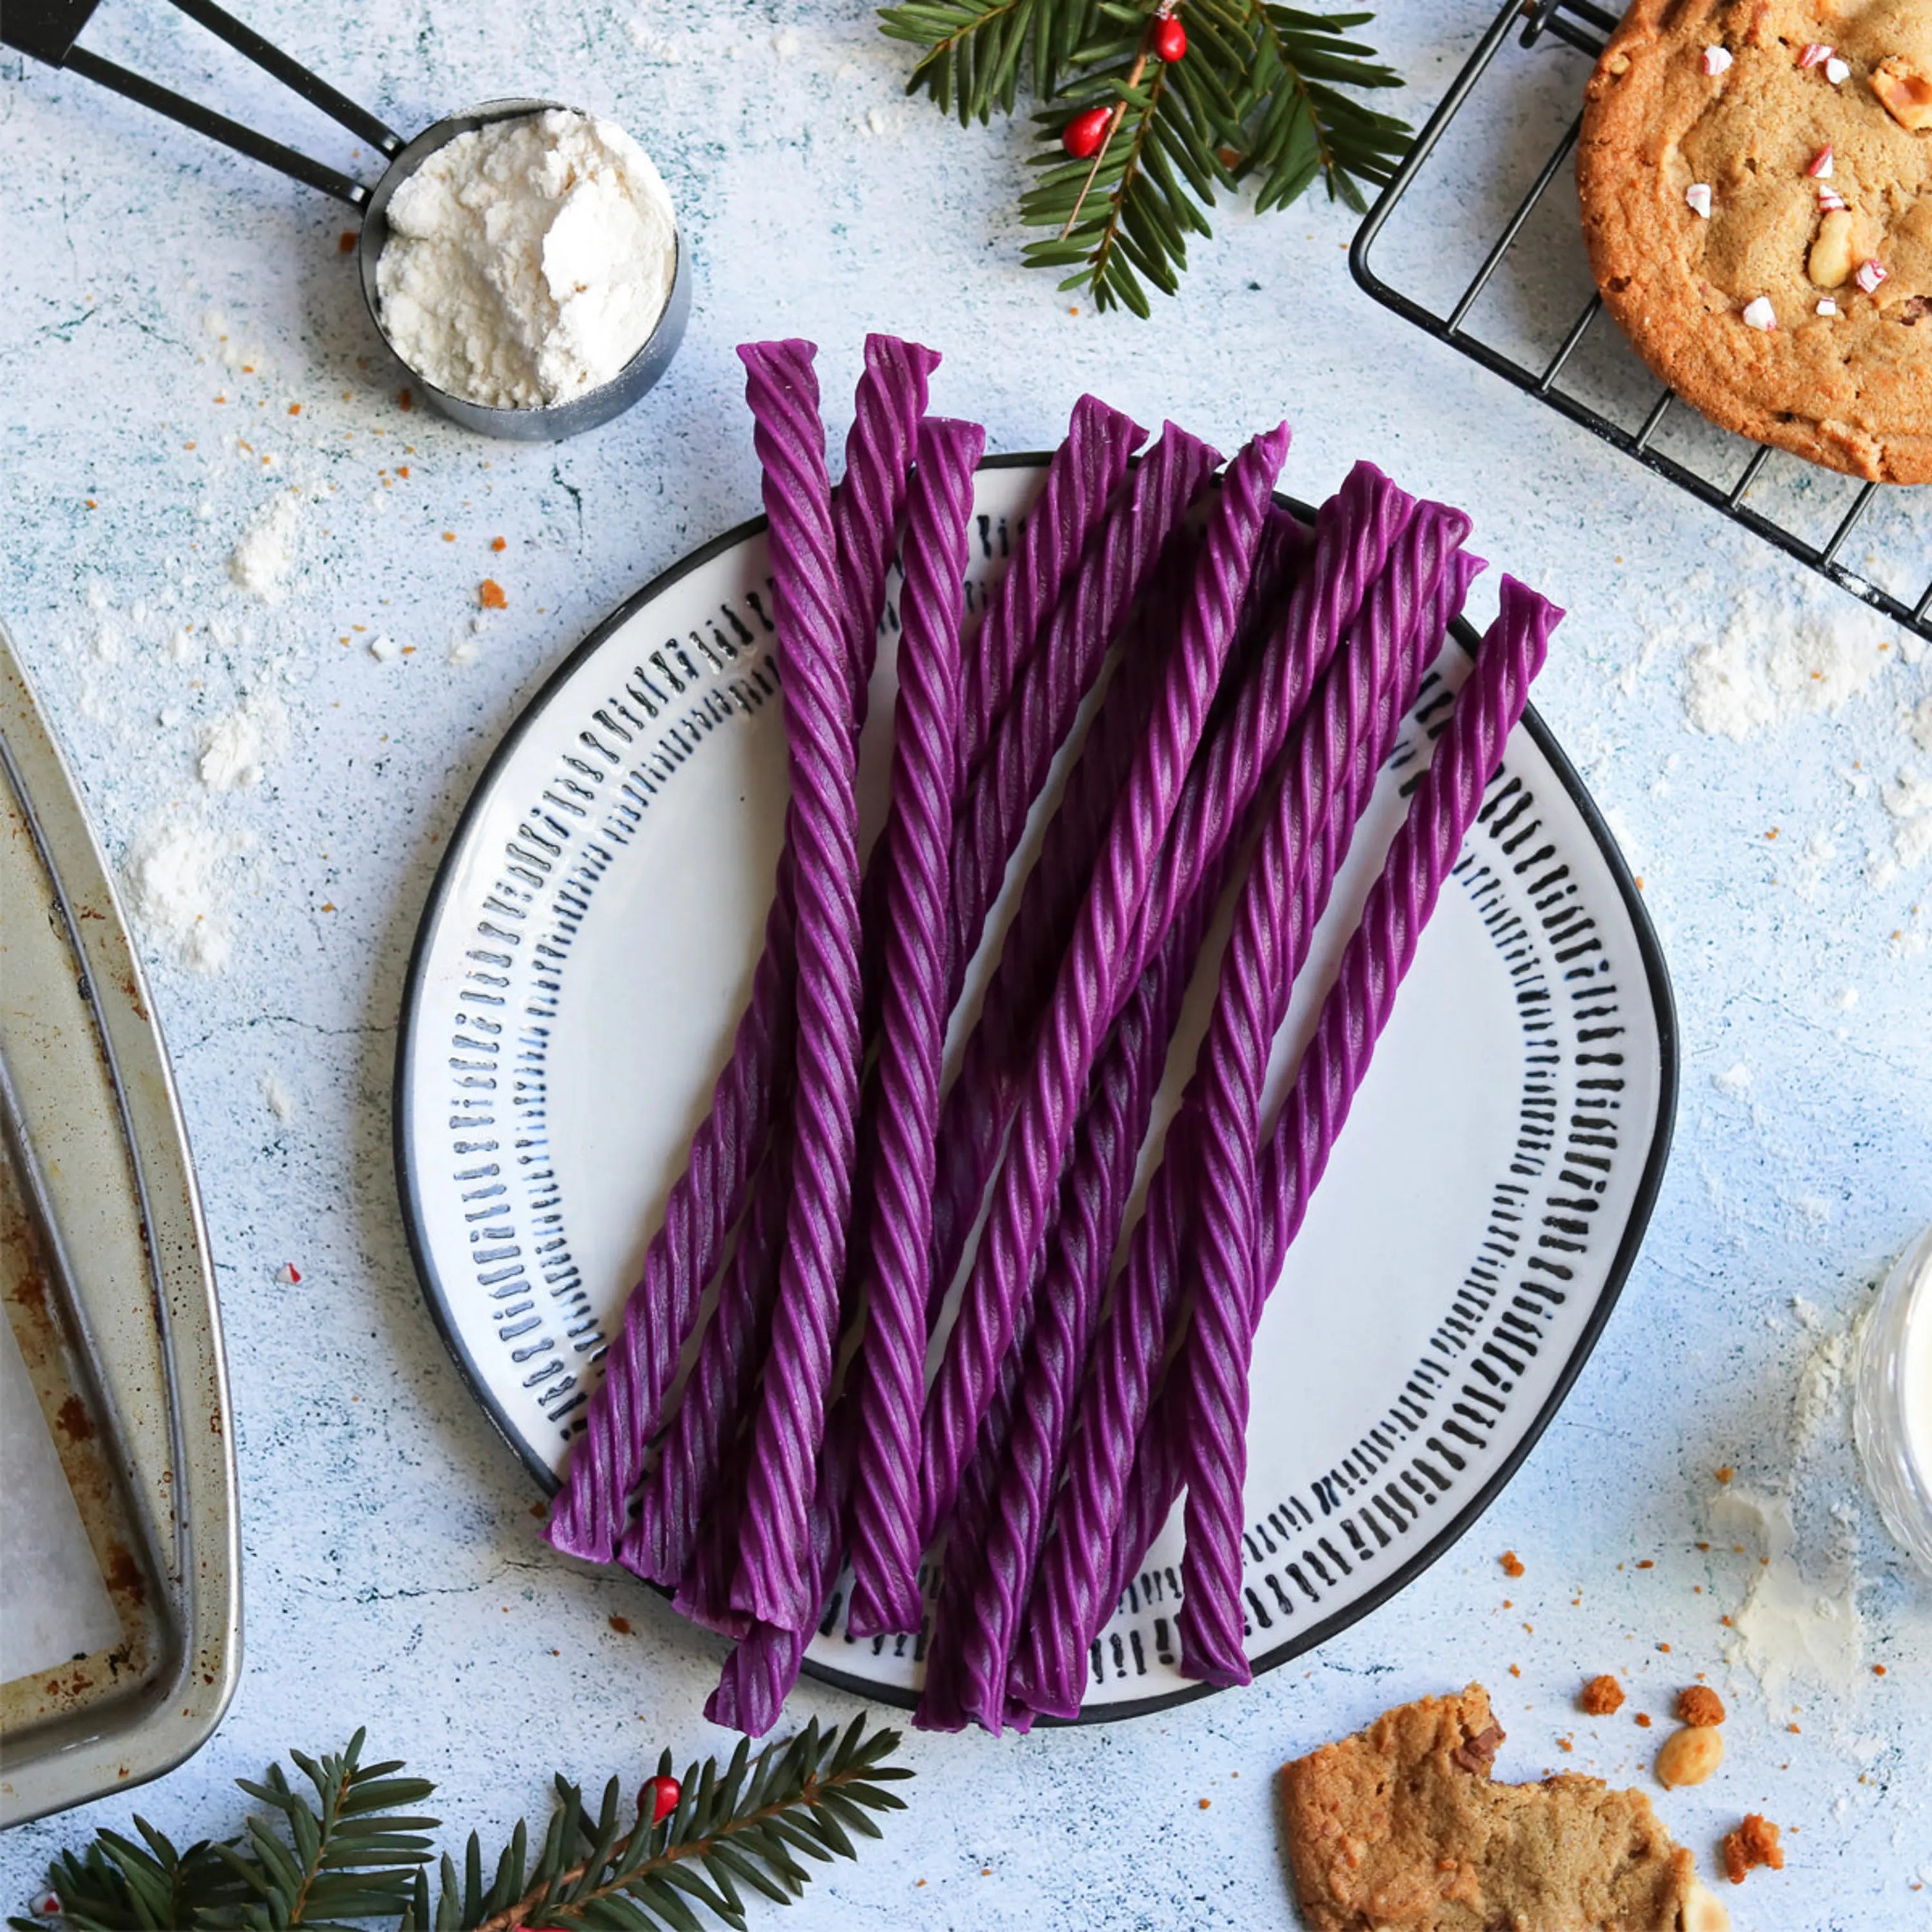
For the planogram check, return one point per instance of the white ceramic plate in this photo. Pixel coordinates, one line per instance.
(590, 943)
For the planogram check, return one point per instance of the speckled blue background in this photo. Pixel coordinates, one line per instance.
(395, 1577)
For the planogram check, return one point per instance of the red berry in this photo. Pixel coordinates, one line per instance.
(661, 1795)
(1085, 135)
(1170, 39)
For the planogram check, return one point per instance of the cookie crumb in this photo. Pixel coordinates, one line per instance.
(1602, 1696)
(1754, 1842)
(1699, 1705)
(1512, 1564)
(1643, 1718)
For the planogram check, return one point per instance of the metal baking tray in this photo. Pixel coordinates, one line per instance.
(123, 1611)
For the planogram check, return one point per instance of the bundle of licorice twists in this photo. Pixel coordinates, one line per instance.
(1248, 676)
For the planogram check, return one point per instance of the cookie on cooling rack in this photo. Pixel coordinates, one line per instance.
(1757, 186)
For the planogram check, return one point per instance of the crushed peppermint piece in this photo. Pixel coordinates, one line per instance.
(1698, 194)
(1815, 54)
(1828, 307)
(1838, 72)
(1870, 274)
(1831, 202)
(1822, 163)
(288, 1274)
(1716, 59)
(1760, 314)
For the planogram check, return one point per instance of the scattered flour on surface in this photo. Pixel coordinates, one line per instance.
(281, 1102)
(235, 749)
(1920, 725)
(1735, 1082)
(1791, 1624)
(261, 559)
(1776, 661)
(171, 876)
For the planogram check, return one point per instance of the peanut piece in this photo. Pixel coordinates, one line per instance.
(1690, 1756)
(1831, 263)
(1907, 94)
(1703, 1913)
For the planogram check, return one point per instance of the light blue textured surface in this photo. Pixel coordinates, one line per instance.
(394, 1575)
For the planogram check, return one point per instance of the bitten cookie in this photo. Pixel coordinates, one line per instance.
(1400, 1829)
(1756, 185)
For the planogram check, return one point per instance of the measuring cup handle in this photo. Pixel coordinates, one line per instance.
(48, 29)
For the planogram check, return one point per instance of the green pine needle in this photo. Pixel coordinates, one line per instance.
(1257, 100)
(345, 1852)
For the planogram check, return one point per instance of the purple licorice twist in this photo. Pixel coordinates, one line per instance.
(1157, 1473)
(763, 1665)
(1046, 558)
(1054, 683)
(673, 1498)
(1340, 743)
(919, 825)
(774, 1583)
(865, 512)
(1354, 531)
(1092, 984)
(704, 1593)
(587, 1518)
(1093, 1197)
(979, 1105)
(1425, 849)
(1072, 1595)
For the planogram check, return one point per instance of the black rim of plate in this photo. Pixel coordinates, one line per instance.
(1662, 1002)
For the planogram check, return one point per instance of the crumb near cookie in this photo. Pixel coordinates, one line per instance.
(1602, 1696)
(1754, 1842)
(1402, 1825)
(1698, 1704)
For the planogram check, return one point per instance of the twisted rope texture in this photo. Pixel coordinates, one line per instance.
(1353, 532)
(1337, 747)
(1137, 553)
(1158, 1472)
(885, 1546)
(1093, 1198)
(587, 1519)
(674, 1498)
(773, 1582)
(1092, 982)
(1081, 476)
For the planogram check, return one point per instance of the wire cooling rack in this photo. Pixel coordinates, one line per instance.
(1584, 369)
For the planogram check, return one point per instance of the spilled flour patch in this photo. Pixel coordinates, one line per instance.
(173, 879)
(266, 553)
(236, 749)
(1799, 1619)
(1776, 661)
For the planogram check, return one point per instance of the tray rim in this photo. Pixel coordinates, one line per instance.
(177, 1713)
(1649, 1183)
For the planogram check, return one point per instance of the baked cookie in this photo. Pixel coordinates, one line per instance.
(1757, 186)
(1399, 1828)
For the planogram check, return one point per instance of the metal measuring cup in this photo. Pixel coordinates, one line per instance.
(48, 31)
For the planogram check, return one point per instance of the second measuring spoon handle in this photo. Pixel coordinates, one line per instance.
(48, 29)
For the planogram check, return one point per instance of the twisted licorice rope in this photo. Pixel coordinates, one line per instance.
(978, 1107)
(1159, 1469)
(1053, 685)
(1093, 1199)
(1046, 560)
(1425, 849)
(773, 1582)
(587, 1518)
(1353, 532)
(1093, 983)
(1340, 743)
(704, 1593)
(682, 1485)
(763, 1665)
(885, 1548)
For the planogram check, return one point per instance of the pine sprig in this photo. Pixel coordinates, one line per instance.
(1257, 98)
(348, 1855)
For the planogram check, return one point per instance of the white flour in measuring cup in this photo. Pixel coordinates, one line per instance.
(528, 261)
